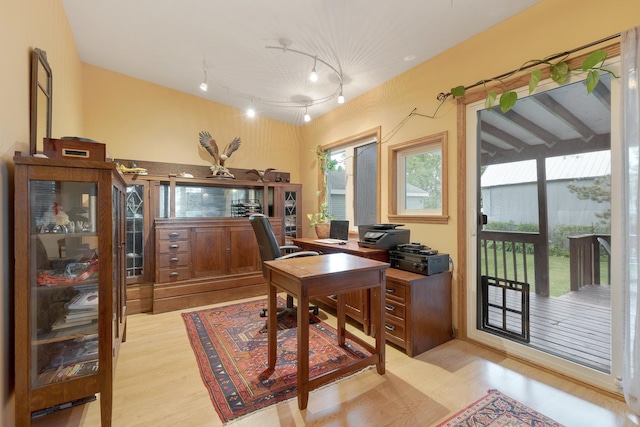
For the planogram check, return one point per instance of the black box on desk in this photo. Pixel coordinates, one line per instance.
(421, 264)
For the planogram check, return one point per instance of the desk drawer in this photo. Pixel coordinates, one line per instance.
(173, 274)
(169, 247)
(394, 328)
(172, 234)
(172, 260)
(395, 291)
(393, 308)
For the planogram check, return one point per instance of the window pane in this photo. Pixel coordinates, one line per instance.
(423, 182)
(365, 184)
(337, 182)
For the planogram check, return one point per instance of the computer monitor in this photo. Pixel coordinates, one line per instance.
(339, 229)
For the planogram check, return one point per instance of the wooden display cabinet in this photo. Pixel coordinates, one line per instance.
(206, 260)
(215, 259)
(70, 310)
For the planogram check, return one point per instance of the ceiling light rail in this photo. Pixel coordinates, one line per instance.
(313, 76)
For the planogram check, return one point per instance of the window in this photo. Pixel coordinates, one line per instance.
(354, 185)
(418, 185)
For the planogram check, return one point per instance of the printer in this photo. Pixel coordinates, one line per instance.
(382, 236)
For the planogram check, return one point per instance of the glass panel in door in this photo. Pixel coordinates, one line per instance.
(64, 291)
(543, 255)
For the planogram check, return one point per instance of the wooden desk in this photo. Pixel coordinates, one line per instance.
(308, 277)
(358, 302)
(351, 247)
(418, 308)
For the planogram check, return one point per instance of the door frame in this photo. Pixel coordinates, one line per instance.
(467, 231)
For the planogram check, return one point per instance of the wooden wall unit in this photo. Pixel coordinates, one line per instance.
(152, 281)
(206, 260)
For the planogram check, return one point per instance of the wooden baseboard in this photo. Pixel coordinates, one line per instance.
(194, 293)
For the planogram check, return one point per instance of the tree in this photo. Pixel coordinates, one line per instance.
(599, 191)
(425, 172)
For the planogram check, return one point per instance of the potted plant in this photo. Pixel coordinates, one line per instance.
(320, 220)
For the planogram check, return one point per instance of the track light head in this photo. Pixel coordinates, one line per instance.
(314, 75)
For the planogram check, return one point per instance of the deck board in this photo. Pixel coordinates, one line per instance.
(575, 326)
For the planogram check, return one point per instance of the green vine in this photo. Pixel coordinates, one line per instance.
(559, 71)
(326, 164)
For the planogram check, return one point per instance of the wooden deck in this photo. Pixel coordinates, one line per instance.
(575, 326)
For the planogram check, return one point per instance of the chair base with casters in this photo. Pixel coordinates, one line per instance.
(290, 309)
(270, 250)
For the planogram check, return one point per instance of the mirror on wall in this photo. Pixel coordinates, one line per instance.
(41, 100)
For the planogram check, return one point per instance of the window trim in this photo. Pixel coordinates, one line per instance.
(394, 152)
(370, 133)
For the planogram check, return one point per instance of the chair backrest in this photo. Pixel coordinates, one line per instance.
(267, 242)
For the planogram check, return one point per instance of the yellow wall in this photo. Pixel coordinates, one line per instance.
(137, 119)
(550, 27)
(144, 121)
(25, 24)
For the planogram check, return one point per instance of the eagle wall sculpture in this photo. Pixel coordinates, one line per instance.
(218, 169)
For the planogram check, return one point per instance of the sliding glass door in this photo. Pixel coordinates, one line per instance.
(540, 195)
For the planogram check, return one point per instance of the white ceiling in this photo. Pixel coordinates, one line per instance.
(166, 42)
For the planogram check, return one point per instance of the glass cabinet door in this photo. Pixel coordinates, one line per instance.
(64, 287)
(290, 216)
(135, 230)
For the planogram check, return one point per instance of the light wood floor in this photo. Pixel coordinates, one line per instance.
(157, 383)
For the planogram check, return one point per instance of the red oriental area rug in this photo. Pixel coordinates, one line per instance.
(498, 410)
(231, 350)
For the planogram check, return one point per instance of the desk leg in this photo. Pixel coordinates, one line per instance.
(272, 325)
(341, 314)
(378, 322)
(303, 350)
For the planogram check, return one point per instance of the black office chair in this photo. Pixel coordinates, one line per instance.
(270, 250)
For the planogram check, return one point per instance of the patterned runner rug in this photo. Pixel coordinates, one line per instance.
(231, 350)
(498, 410)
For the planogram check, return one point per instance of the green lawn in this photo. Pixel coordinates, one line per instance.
(558, 271)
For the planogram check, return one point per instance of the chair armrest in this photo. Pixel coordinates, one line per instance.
(289, 248)
(298, 254)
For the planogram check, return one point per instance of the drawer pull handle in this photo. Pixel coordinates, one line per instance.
(334, 297)
(389, 327)
(174, 259)
(391, 290)
(174, 274)
(174, 246)
(174, 234)
(389, 307)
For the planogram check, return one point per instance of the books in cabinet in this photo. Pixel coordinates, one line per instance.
(84, 300)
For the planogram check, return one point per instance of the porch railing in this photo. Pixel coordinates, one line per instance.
(584, 259)
(504, 255)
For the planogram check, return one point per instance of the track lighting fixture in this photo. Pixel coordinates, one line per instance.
(204, 86)
(285, 47)
(314, 76)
